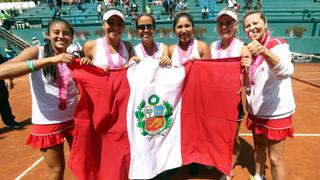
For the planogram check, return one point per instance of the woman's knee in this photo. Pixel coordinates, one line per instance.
(276, 159)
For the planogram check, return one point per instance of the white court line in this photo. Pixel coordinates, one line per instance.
(29, 169)
(297, 135)
(240, 134)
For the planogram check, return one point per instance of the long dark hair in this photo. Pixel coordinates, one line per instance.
(50, 71)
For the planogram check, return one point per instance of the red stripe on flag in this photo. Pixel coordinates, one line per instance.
(101, 148)
(209, 113)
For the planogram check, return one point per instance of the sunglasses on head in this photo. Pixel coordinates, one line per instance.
(145, 26)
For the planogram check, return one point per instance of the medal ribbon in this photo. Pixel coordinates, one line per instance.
(229, 48)
(189, 51)
(63, 76)
(257, 61)
(145, 55)
(120, 54)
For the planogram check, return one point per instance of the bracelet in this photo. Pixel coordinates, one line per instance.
(31, 65)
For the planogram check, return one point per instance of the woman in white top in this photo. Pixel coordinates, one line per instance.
(54, 96)
(148, 48)
(229, 46)
(188, 47)
(110, 52)
(269, 95)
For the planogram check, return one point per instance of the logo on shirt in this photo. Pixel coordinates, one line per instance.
(154, 118)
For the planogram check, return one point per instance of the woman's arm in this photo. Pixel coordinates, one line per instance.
(165, 60)
(18, 66)
(204, 50)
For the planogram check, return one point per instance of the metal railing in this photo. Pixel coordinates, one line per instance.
(13, 39)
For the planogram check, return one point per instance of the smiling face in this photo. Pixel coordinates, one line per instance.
(145, 27)
(255, 24)
(184, 29)
(226, 27)
(61, 35)
(113, 27)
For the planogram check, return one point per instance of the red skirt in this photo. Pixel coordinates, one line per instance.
(275, 129)
(48, 135)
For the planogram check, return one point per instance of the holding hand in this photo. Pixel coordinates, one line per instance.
(135, 59)
(246, 57)
(165, 60)
(255, 48)
(9, 83)
(85, 61)
(62, 58)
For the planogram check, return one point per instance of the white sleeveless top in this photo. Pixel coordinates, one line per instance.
(194, 54)
(217, 52)
(100, 59)
(45, 98)
(139, 51)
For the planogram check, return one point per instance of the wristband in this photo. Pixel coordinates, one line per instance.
(31, 65)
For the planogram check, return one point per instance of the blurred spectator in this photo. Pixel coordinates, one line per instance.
(205, 13)
(126, 7)
(80, 7)
(134, 8)
(5, 111)
(5, 19)
(36, 2)
(178, 7)
(59, 4)
(149, 9)
(99, 10)
(35, 41)
(232, 4)
(165, 4)
(10, 53)
(259, 4)
(133, 19)
(184, 5)
(171, 9)
(248, 5)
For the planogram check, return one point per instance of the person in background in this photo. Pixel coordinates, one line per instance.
(230, 46)
(269, 95)
(149, 9)
(54, 94)
(5, 111)
(148, 48)
(5, 19)
(35, 41)
(205, 12)
(99, 10)
(10, 52)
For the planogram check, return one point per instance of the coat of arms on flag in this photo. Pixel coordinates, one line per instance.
(154, 118)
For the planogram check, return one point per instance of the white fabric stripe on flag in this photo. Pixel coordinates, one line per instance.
(153, 154)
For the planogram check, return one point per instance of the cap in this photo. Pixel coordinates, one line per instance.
(229, 13)
(113, 12)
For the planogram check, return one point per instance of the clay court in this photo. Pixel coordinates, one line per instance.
(19, 161)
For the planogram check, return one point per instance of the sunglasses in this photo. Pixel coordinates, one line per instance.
(145, 26)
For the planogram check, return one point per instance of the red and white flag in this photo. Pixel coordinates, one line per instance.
(138, 122)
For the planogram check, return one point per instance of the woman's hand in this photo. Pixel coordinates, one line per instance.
(255, 48)
(246, 57)
(85, 61)
(62, 58)
(135, 59)
(165, 60)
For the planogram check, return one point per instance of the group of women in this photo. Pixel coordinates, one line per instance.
(266, 61)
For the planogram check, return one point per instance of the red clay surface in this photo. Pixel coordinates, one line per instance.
(301, 153)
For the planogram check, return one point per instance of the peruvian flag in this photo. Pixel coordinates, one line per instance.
(138, 122)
